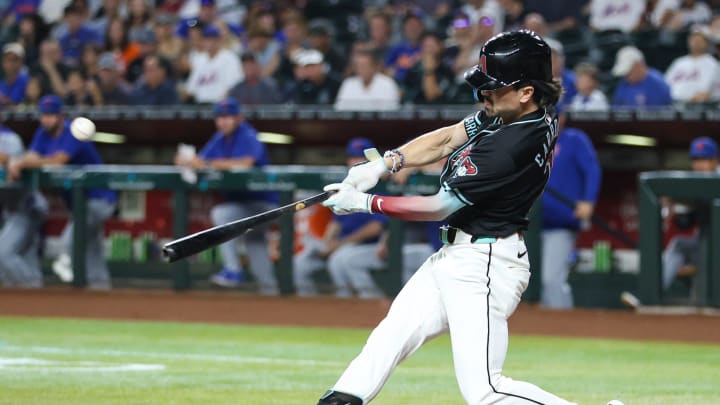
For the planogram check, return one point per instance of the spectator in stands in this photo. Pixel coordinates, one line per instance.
(24, 211)
(235, 145)
(404, 55)
(380, 33)
(677, 15)
(215, 72)
(536, 22)
(295, 34)
(682, 254)
(81, 92)
(559, 14)
(53, 144)
(641, 86)
(622, 15)
(169, 46)
(314, 82)
(31, 32)
(320, 37)
(15, 76)
(467, 40)
(562, 73)
(118, 42)
(260, 41)
(254, 88)
(430, 79)
(33, 92)
(576, 177)
(147, 45)
(78, 35)
(588, 97)
(155, 87)
(695, 77)
(50, 69)
(89, 61)
(369, 89)
(108, 11)
(347, 248)
(515, 13)
(478, 9)
(110, 82)
(139, 16)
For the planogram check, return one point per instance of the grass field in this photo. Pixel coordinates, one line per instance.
(54, 361)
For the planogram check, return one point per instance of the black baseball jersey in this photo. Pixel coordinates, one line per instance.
(500, 171)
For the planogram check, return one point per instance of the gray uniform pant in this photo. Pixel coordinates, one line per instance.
(255, 242)
(20, 243)
(98, 211)
(680, 251)
(557, 245)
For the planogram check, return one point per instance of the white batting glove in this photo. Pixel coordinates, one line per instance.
(347, 199)
(365, 176)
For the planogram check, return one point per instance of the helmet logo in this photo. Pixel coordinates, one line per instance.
(483, 64)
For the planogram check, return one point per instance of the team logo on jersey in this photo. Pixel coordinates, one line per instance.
(462, 164)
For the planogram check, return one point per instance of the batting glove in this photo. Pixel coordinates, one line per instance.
(366, 175)
(347, 199)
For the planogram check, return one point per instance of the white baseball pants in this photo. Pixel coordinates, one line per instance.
(469, 290)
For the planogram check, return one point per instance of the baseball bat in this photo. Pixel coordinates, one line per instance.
(197, 242)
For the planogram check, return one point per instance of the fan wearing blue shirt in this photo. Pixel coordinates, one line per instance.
(641, 86)
(235, 146)
(78, 35)
(347, 249)
(53, 144)
(15, 77)
(576, 176)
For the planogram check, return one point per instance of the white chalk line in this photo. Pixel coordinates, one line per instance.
(35, 364)
(170, 356)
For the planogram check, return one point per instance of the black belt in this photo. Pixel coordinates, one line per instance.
(449, 234)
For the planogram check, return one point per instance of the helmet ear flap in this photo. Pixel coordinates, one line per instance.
(477, 95)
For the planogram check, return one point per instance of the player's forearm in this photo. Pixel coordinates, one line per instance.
(432, 146)
(229, 164)
(416, 208)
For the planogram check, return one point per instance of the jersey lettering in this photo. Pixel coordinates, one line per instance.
(544, 159)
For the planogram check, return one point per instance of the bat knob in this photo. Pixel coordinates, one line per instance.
(169, 254)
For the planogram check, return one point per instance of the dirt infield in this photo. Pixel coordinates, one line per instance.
(232, 307)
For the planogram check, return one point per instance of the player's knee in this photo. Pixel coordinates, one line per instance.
(339, 398)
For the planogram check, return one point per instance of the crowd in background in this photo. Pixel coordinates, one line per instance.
(360, 55)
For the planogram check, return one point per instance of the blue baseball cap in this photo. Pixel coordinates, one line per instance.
(357, 146)
(228, 106)
(211, 31)
(51, 104)
(703, 148)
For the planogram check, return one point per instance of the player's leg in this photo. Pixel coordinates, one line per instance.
(305, 263)
(414, 254)
(557, 246)
(338, 275)
(481, 286)
(354, 263)
(16, 235)
(261, 267)
(232, 272)
(98, 275)
(680, 250)
(415, 316)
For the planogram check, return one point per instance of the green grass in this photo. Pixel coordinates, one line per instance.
(223, 364)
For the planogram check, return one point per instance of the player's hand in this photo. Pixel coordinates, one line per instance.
(366, 175)
(583, 210)
(347, 199)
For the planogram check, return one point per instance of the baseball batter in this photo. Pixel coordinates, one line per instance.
(498, 163)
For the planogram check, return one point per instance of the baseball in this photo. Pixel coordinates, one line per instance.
(82, 128)
(615, 402)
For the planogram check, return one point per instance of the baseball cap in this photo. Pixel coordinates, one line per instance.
(703, 30)
(306, 57)
(207, 2)
(16, 48)
(211, 31)
(50, 104)
(107, 61)
(703, 148)
(357, 146)
(227, 106)
(626, 57)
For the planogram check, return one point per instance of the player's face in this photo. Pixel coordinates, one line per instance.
(506, 102)
(51, 122)
(704, 165)
(227, 123)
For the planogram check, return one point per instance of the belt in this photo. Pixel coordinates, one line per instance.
(450, 235)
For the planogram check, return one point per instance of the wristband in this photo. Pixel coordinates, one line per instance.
(398, 160)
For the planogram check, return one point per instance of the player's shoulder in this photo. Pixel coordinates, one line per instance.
(540, 119)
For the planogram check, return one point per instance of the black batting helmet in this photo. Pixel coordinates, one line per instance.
(509, 58)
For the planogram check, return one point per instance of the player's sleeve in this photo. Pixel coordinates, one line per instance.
(250, 147)
(473, 123)
(13, 145)
(37, 143)
(69, 144)
(205, 152)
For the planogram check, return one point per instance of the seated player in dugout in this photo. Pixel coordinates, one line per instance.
(235, 145)
(347, 248)
(53, 145)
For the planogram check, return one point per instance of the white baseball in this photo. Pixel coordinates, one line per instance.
(615, 402)
(82, 128)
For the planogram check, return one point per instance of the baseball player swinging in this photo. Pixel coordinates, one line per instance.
(498, 163)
